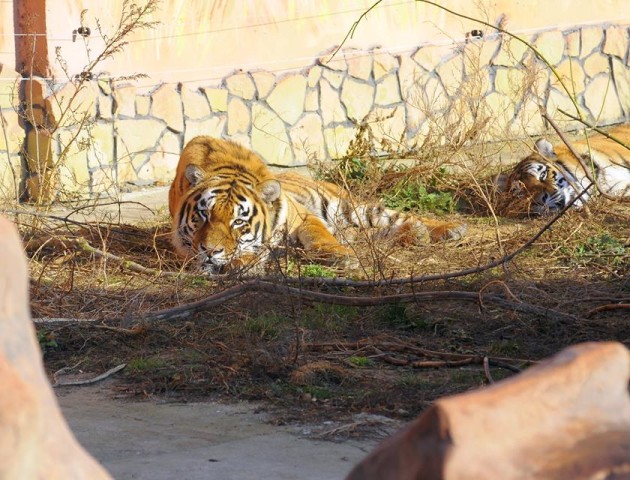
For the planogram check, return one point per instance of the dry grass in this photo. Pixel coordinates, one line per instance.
(311, 359)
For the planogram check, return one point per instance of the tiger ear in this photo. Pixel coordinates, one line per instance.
(193, 174)
(269, 190)
(500, 182)
(545, 148)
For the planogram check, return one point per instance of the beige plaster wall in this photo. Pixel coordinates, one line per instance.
(205, 40)
(262, 77)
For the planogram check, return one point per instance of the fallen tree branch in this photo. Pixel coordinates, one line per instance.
(186, 310)
(486, 370)
(441, 363)
(383, 347)
(607, 308)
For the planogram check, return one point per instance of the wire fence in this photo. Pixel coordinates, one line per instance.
(216, 72)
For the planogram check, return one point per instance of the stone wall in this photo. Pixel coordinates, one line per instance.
(491, 87)
(11, 133)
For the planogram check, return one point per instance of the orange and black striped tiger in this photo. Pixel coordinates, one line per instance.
(229, 210)
(552, 177)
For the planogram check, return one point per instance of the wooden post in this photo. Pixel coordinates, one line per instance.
(31, 61)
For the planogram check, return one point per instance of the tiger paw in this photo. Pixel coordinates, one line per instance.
(448, 231)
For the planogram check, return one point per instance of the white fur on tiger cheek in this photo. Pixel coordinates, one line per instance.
(251, 241)
(617, 180)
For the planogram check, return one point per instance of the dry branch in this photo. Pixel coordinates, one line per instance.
(486, 369)
(441, 363)
(90, 381)
(386, 349)
(607, 308)
(186, 310)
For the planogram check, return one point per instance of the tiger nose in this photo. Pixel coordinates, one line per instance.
(213, 252)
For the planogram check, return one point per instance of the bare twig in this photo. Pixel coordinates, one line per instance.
(386, 348)
(90, 381)
(486, 369)
(595, 128)
(441, 363)
(498, 28)
(85, 246)
(607, 308)
(567, 175)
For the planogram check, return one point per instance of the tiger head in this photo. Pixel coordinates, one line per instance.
(542, 179)
(224, 221)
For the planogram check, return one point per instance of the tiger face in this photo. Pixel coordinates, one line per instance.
(552, 177)
(224, 221)
(545, 180)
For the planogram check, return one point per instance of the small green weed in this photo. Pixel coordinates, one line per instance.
(417, 380)
(331, 318)
(267, 326)
(199, 282)
(602, 249)
(354, 168)
(46, 340)
(140, 365)
(320, 393)
(358, 361)
(317, 271)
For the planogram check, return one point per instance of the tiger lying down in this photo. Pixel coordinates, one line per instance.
(549, 175)
(229, 210)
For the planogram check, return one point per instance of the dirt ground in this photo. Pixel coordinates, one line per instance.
(340, 360)
(200, 440)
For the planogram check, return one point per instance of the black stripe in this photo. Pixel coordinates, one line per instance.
(324, 209)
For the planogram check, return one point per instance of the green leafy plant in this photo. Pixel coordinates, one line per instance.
(46, 340)
(413, 195)
(602, 249)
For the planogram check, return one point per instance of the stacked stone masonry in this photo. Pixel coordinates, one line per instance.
(114, 134)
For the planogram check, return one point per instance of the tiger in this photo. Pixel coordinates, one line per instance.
(552, 177)
(230, 210)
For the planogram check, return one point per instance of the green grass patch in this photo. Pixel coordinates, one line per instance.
(268, 326)
(411, 195)
(146, 364)
(331, 318)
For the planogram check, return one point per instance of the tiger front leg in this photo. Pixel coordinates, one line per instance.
(412, 230)
(439, 230)
(322, 246)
